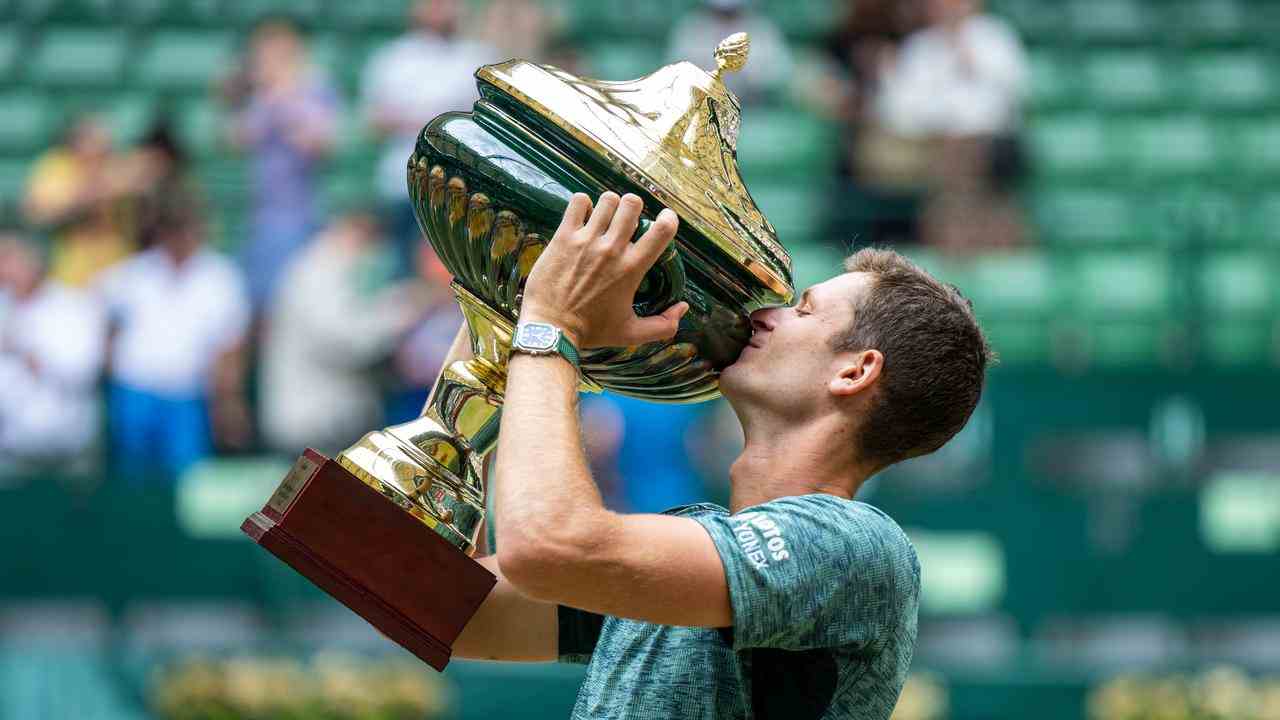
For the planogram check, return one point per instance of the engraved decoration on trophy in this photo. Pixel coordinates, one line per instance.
(489, 188)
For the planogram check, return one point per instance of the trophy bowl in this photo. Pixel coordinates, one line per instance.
(489, 188)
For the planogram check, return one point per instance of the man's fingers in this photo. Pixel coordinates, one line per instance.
(603, 214)
(576, 213)
(651, 245)
(658, 327)
(624, 220)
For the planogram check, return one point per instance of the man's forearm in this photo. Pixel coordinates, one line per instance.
(547, 501)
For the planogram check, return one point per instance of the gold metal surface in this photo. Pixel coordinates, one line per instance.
(674, 132)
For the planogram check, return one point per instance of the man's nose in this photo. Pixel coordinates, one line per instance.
(763, 319)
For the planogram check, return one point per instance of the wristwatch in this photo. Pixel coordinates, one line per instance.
(539, 338)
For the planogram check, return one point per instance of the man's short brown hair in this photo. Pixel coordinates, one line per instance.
(935, 357)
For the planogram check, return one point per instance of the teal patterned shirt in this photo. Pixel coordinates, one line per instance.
(825, 594)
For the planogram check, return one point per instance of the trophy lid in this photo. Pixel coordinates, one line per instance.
(674, 132)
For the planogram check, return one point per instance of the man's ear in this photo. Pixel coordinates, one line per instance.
(858, 373)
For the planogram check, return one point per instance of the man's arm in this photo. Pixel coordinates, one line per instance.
(508, 626)
(559, 543)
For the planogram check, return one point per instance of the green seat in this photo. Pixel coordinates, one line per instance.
(1019, 284)
(1249, 148)
(1171, 145)
(1237, 80)
(1262, 220)
(813, 263)
(1070, 144)
(1110, 20)
(622, 60)
(249, 12)
(1034, 19)
(1123, 306)
(38, 12)
(1075, 217)
(75, 57)
(328, 52)
(177, 12)
(796, 212)
(782, 144)
(1238, 294)
(629, 20)
(1216, 22)
(185, 60)
(130, 116)
(10, 47)
(27, 123)
(1055, 79)
(201, 127)
(13, 182)
(388, 15)
(804, 20)
(1125, 79)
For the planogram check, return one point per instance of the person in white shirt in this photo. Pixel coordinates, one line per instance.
(427, 71)
(51, 353)
(331, 324)
(180, 312)
(964, 75)
(697, 34)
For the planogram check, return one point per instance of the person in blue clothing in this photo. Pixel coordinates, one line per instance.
(797, 601)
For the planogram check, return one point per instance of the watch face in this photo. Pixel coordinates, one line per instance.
(537, 336)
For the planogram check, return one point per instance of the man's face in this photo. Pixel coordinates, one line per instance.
(789, 364)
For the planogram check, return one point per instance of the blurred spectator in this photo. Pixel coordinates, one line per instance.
(946, 117)
(77, 193)
(179, 313)
(863, 44)
(420, 357)
(334, 321)
(427, 71)
(286, 118)
(160, 166)
(516, 29)
(964, 75)
(52, 339)
(696, 35)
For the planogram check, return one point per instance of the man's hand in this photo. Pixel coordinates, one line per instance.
(585, 281)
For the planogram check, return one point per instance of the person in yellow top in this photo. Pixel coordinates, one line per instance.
(79, 192)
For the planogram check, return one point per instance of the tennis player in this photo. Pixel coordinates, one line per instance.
(797, 602)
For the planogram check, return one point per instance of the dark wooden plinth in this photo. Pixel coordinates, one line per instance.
(372, 556)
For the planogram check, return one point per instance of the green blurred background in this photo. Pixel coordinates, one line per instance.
(1112, 508)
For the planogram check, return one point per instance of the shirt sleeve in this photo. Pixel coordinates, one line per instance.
(814, 571)
(578, 633)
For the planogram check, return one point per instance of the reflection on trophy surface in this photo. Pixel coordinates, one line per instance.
(489, 188)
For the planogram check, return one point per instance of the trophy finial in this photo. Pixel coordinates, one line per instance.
(731, 53)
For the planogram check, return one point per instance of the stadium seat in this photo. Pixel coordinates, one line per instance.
(10, 48)
(1123, 301)
(1237, 80)
(1239, 300)
(27, 124)
(622, 60)
(1070, 144)
(651, 20)
(129, 116)
(1075, 217)
(248, 12)
(37, 12)
(1262, 219)
(796, 210)
(1175, 145)
(1035, 19)
(1126, 79)
(1249, 148)
(13, 180)
(1055, 79)
(781, 144)
(185, 60)
(1015, 296)
(200, 126)
(814, 262)
(804, 20)
(1217, 22)
(78, 58)
(172, 12)
(388, 15)
(1099, 21)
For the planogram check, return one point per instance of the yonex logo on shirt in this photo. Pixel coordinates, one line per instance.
(760, 539)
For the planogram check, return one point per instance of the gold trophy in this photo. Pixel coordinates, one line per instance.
(489, 188)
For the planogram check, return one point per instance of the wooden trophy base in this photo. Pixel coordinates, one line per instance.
(372, 556)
